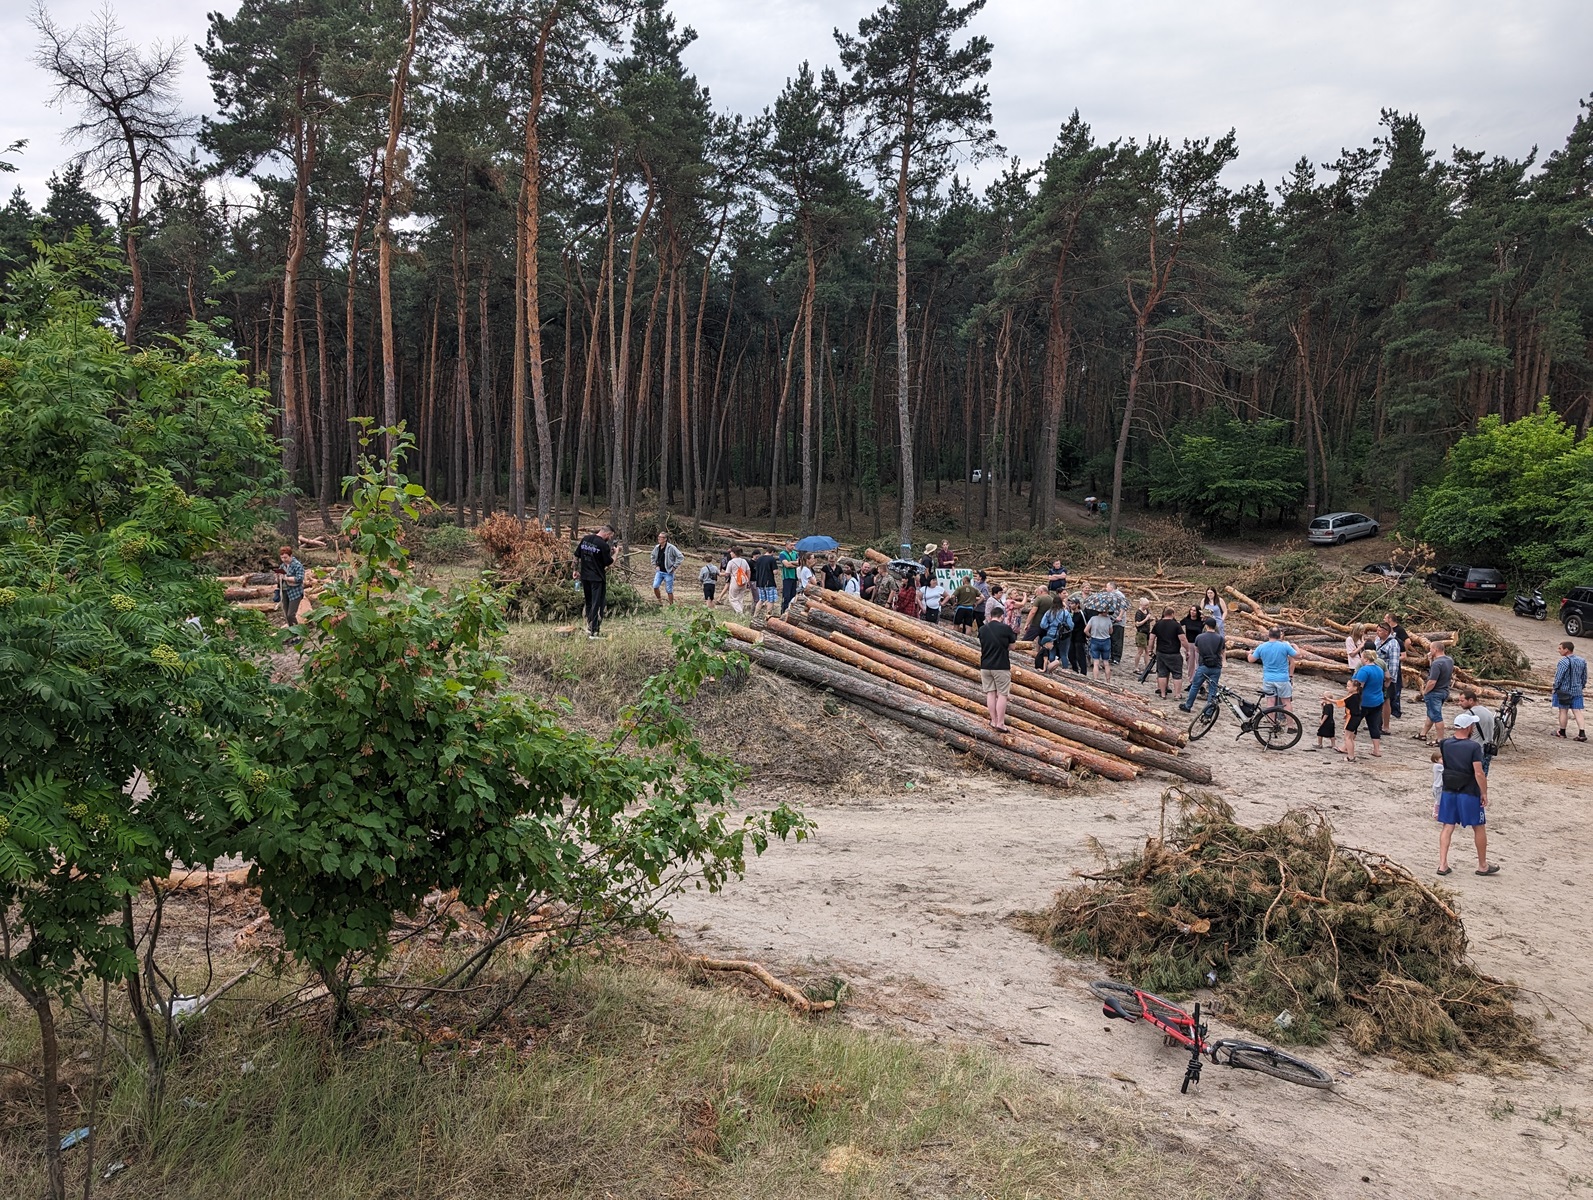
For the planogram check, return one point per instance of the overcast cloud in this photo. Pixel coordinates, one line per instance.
(1292, 76)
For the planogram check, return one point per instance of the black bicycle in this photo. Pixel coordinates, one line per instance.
(1274, 726)
(1505, 722)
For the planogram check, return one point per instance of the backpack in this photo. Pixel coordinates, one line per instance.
(740, 575)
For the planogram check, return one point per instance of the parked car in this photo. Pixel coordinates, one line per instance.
(1576, 611)
(1337, 528)
(1460, 582)
(1389, 571)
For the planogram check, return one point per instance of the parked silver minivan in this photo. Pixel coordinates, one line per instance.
(1335, 529)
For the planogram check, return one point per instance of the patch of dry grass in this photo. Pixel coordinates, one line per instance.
(618, 1081)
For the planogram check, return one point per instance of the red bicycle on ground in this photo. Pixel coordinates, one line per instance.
(1122, 1002)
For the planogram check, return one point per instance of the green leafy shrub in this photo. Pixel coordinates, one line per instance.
(445, 544)
(555, 598)
(412, 769)
(133, 707)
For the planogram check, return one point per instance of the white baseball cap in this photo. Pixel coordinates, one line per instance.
(1465, 720)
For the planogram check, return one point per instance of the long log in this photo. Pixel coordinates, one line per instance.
(1245, 600)
(851, 682)
(959, 733)
(1080, 698)
(1034, 712)
(900, 650)
(959, 696)
(1005, 761)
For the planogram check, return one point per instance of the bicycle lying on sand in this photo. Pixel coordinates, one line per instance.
(1122, 1002)
(1274, 726)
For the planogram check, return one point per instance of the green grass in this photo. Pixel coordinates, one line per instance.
(620, 1082)
(557, 661)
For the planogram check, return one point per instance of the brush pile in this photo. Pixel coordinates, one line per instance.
(1303, 936)
(523, 549)
(1297, 588)
(1317, 611)
(927, 678)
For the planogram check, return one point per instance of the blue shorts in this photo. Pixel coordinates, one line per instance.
(1435, 705)
(1101, 648)
(665, 580)
(768, 595)
(1569, 703)
(1461, 808)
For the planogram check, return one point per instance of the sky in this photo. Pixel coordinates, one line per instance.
(1293, 77)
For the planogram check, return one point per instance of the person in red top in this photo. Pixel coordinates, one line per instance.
(907, 597)
(944, 558)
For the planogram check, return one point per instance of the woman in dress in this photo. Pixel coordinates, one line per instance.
(1214, 606)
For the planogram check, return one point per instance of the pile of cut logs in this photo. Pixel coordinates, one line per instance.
(1321, 643)
(926, 677)
(254, 590)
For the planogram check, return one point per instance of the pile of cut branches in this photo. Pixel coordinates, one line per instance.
(1304, 937)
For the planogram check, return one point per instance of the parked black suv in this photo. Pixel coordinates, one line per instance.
(1576, 611)
(1468, 583)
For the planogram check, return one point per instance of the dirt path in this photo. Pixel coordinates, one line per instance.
(907, 896)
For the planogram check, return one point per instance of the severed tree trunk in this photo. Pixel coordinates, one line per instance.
(384, 227)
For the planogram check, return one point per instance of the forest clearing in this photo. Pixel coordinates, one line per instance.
(563, 637)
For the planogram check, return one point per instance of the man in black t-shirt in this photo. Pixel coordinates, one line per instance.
(766, 584)
(995, 666)
(1167, 636)
(1209, 646)
(1463, 793)
(594, 556)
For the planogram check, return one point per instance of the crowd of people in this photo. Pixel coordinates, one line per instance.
(1083, 629)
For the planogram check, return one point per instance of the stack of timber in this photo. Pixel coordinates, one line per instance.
(255, 590)
(1323, 649)
(927, 678)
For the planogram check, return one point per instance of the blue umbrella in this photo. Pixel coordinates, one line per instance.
(817, 544)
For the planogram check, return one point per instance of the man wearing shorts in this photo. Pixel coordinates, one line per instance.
(1570, 684)
(666, 561)
(995, 666)
(1098, 629)
(1276, 657)
(1372, 678)
(1463, 794)
(1435, 690)
(1167, 637)
(765, 588)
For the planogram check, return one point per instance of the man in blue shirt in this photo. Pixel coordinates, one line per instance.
(1570, 683)
(1276, 657)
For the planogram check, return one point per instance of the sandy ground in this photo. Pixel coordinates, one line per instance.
(906, 892)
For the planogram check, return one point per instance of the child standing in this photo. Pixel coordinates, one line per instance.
(1438, 781)
(1325, 732)
(709, 578)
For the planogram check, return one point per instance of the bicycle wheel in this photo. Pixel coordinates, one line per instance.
(1269, 1060)
(1204, 720)
(1130, 998)
(1507, 726)
(1276, 728)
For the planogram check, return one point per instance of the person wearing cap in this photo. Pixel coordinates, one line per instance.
(1463, 794)
(1487, 724)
